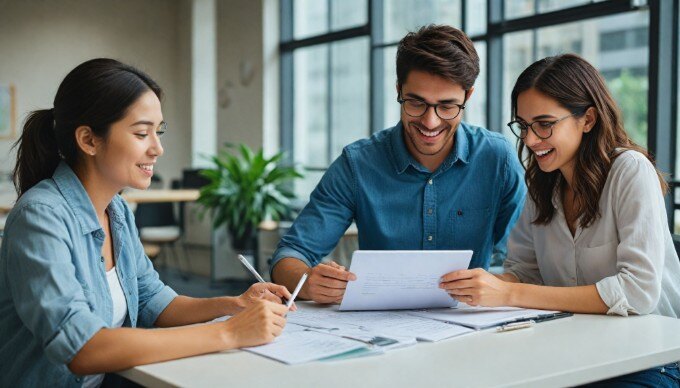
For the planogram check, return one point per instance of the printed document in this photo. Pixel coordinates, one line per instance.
(298, 345)
(481, 317)
(395, 280)
(401, 326)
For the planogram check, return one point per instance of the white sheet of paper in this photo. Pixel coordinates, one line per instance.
(393, 280)
(297, 345)
(480, 317)
(363, 325)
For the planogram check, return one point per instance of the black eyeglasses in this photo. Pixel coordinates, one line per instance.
(543, 129)
(417, 108)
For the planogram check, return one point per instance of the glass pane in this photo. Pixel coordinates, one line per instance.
(310, 17)
(623, 61)
(402, 16)
(475, 109)
(348, 13)
(391, 107)
(475, 17)
(349, 92)
(521, 8)
(676, 227)
(310, 120)
(517, 56)
(305, 186)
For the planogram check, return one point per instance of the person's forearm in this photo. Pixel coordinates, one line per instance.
(184, 310)
(288, 272)
(581, 299)
(111, 350)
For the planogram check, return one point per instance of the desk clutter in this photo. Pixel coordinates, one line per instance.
(324, 333)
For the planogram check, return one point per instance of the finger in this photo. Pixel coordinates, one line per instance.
(271, 297)
(339, 300)
(279, 321)
(456, 275)
(332, 292)
(461, 292)
(332, 283)
(293, 307)
(277, 308)
(457, 284)
(278, 290)
(331, 272)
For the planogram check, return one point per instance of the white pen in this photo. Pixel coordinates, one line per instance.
(515, 326)
(297, 290)
(252, 270)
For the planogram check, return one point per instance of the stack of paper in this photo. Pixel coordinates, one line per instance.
(297, 345)
(482, 317)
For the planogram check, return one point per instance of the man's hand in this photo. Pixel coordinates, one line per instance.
(327, 282)
(477, 287)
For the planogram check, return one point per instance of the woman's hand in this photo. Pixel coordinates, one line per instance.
(258, 324)
(264, 291)
(477, 287)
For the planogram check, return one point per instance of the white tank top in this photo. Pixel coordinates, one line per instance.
(119, 314)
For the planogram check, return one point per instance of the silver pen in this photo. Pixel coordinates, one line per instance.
(259, 278)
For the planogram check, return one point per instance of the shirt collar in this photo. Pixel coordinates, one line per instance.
(403, 158)
(77, 199)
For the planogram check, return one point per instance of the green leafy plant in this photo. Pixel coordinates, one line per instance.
(246, 189)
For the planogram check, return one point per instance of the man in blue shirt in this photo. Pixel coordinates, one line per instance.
(429, 183)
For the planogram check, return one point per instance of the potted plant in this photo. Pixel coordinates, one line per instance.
(244, 190)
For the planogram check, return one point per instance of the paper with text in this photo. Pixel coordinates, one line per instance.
(393, 280)
(297, 345)
(481, 317)
(365, 325)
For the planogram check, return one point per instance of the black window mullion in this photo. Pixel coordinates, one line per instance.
(287, 82)
(662, 76)
(494, 65)
(377, 95)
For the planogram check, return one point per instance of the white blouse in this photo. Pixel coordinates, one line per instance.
(627, 253)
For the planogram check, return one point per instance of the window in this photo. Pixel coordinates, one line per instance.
(339, 81)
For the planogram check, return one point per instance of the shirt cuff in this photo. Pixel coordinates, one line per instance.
(613, 296)
(284, 252)
(155, 306)
(73, 334)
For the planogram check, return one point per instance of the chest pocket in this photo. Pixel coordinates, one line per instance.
(470, 227)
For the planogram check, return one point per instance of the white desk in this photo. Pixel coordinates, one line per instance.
(564, 352)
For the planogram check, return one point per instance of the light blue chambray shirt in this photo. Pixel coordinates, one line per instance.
(53, 291)
(470, 202)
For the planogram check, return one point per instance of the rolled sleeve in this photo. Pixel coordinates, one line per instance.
(154, 306)
(324, 220)
(48, 297)
(641, 224)
(72, 335)
(284, 252)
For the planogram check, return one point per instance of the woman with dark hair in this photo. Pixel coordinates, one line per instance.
(593, 236)
(74, 281)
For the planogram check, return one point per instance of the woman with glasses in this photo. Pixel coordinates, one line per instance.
(76, 289)
(593, 236)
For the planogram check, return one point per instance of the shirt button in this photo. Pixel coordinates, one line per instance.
(102, 258)
(429, 238)
(460, 213)
(429, 182)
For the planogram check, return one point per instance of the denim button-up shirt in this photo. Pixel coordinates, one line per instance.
(53, 291)
(470, 202)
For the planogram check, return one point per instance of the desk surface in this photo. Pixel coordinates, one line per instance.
(564, 352)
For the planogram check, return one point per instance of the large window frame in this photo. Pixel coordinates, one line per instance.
(662, 70)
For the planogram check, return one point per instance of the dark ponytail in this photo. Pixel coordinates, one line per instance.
(96, 94)
(37, 151)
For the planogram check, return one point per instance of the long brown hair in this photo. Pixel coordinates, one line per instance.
(576, 85)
